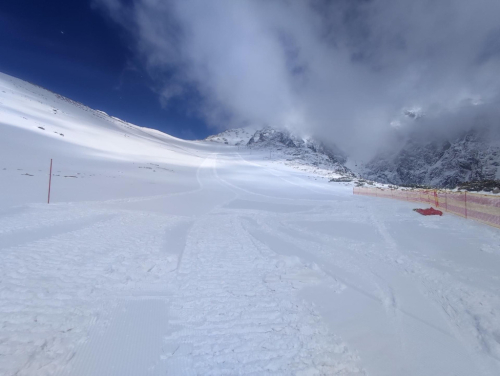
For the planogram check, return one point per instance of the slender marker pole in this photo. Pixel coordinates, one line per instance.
(465, 204)
(50, 181)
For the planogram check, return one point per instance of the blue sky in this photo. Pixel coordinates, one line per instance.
(77, 51)
(344, 71)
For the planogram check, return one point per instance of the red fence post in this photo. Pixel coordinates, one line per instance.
(50, 181)
(465, 204)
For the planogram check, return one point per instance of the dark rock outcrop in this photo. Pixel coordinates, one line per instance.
(470, 157)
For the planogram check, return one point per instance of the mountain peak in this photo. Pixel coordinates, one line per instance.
(290, 147)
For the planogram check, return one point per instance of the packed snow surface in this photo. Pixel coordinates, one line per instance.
(158, 256)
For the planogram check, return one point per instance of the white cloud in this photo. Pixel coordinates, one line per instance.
(339, 69)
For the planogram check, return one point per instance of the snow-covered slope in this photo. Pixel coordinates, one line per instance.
(158, 256)
(90, 149)
(471, 157)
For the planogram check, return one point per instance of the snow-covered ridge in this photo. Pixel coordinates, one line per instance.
(35, 109)
(233, 137)
(304, 153)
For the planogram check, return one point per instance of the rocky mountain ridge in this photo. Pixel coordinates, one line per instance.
(292, 149)
(473, 156)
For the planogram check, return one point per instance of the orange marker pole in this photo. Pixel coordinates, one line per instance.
(465, 204)
(50, 181)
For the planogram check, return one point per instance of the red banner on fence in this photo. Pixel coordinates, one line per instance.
(480, 207)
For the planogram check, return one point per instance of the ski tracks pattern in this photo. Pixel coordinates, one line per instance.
(235, 315)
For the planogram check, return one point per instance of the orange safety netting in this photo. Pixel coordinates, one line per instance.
(480, 207)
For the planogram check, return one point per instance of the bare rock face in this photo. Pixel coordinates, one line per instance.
(470, 157)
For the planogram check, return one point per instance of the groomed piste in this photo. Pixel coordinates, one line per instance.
(159, 256)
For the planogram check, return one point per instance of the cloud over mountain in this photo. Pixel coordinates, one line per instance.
(344, 69)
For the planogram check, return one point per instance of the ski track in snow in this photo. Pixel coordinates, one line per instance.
(249, 322)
